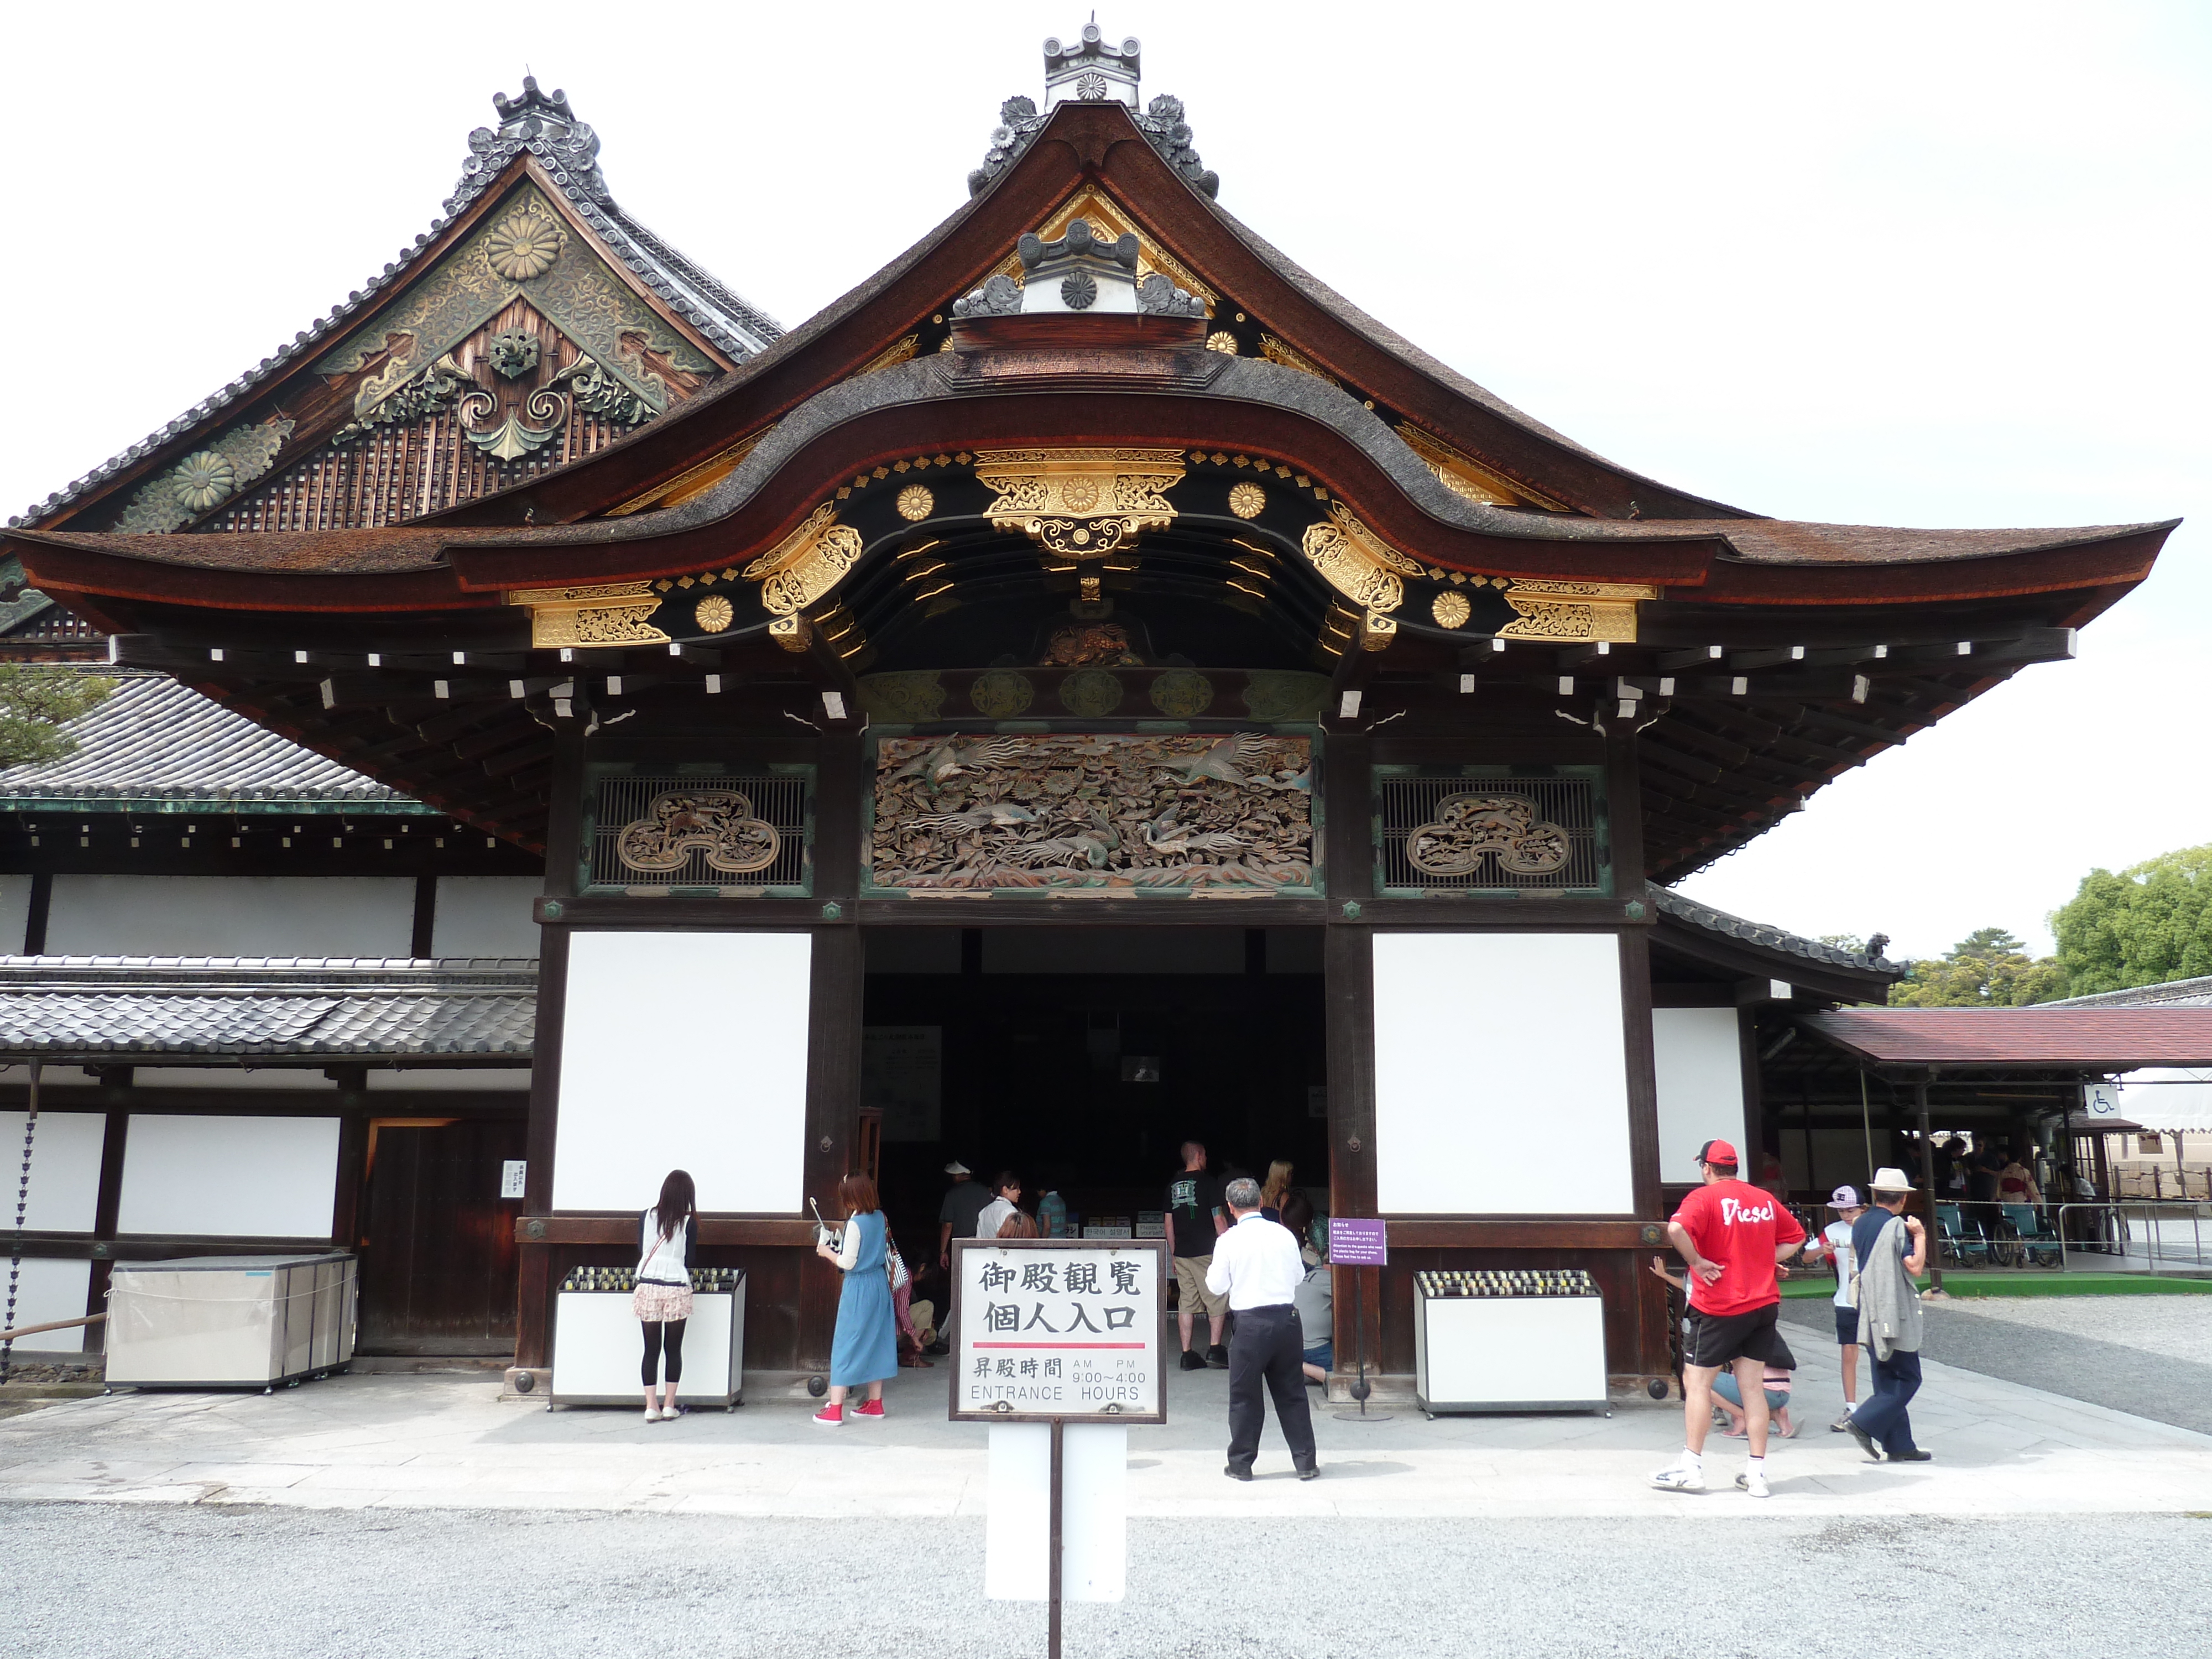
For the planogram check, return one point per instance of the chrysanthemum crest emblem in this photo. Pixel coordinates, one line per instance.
(203, 480)
(524, 245)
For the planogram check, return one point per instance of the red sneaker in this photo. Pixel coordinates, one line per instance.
(869, 1408)
(830, 1417)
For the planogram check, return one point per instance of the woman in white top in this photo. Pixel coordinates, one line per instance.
(1006, 1195)
(668, 1238)
(1835, 1240)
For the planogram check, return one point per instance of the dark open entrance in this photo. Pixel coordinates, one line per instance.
(1082, 1057)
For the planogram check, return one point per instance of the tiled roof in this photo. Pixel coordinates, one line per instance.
(2091, 1039)
(2171, 993)
(569, 151)
(157, 745)
(1673, 904)
(322, 1009)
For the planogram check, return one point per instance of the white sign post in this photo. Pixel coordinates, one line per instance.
(1058, 1348)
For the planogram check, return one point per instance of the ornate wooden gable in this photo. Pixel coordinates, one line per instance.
(533, 326)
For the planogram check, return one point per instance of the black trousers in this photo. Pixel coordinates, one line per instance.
(653, 1330)
(1266, 1344)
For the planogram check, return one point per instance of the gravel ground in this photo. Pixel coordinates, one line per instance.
(88, 1582)
(2176, 1326)
(2140, 1357)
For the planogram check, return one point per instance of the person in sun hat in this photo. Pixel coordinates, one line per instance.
(1893, 1248)
(1733, 1236)
(1835, 1243)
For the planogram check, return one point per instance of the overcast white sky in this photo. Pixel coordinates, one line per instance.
(1908, 265)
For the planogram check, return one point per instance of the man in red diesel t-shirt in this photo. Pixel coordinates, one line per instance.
(1732, 1235)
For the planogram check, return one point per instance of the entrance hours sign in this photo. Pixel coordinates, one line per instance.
(1058, 1327)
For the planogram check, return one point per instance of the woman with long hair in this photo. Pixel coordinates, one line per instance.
(865, 1349)
(1274, 1189)
(668, 1239)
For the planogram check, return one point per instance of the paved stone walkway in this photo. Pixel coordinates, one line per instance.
(448, 1442)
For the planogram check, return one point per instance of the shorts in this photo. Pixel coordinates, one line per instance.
(1190, 1276)
(1721, 1338)
(1324, 1356)
(661, 1304)
(1847, 1327)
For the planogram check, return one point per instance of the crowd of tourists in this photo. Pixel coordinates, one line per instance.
(1732, 1238)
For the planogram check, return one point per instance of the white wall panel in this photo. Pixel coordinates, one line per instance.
(49, 1290)
(229, 1176)
(685, 1051)
(511, 1079)
(1501, 1075)
(485, 916)
(14, 912)
(231, 916)
(1700, 1057)
(64, 1169)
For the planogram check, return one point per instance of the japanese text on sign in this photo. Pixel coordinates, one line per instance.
(1058, 1329)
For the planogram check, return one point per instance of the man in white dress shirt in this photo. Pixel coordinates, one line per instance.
(1256, 1265)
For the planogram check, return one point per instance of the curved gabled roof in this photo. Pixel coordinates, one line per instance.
(543, 130)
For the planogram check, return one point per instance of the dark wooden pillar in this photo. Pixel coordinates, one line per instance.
(534, 1290)
(1625, 821)
(1348, 967)
(105, 1208)
(833, 1014)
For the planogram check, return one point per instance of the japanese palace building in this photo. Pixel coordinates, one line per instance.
(1091, 686)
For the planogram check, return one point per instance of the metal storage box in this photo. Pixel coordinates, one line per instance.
(596, 1346)
(230, 1321)
(1508, 1342)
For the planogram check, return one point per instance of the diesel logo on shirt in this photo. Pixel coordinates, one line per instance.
(1733, 1210)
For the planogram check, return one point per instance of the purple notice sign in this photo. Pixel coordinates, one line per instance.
(1355, 1243)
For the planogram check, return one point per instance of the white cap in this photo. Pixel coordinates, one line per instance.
(957, 1167)
(1891, 1179)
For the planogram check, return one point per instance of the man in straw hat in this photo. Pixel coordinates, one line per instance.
(1732, 1235)
(1893, 1248)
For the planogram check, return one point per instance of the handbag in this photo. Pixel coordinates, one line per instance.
(894, 1265)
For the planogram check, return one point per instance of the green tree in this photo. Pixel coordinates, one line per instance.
(36, 701)
(2150, 922)
(1988, 968)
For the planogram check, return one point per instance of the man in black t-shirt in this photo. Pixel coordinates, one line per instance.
(1193, 1221)
(955, 1218)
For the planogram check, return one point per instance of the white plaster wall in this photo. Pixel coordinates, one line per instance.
(48, 1289)
(485, 916)
(64, 1189)
(1699, 1060)
(231, 915)
(14, 912)
(1501, 1075)
(684, 1050)
(229, 1176)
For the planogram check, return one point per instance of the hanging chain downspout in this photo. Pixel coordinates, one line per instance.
(22, 1208)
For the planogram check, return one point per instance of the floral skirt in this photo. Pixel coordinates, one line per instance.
(659, 1305)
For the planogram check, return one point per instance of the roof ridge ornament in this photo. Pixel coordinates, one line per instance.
(534, 122)
(1093, 72)
(1081, 270)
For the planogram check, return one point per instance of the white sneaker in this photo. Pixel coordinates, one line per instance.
(1679, 1477)
(1754, 1481)
(652, 1415)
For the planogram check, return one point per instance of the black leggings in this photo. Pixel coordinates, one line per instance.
(674, 1329)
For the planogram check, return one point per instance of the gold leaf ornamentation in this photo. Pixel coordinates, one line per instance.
(805, 564)
(606, 613)
(1451, 610)
(1357, 563)
(1247, 500)
(524, 245)
(714, 613)
(1559, 611)
(916, 502)
(1223, 341)
(1080, 503)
